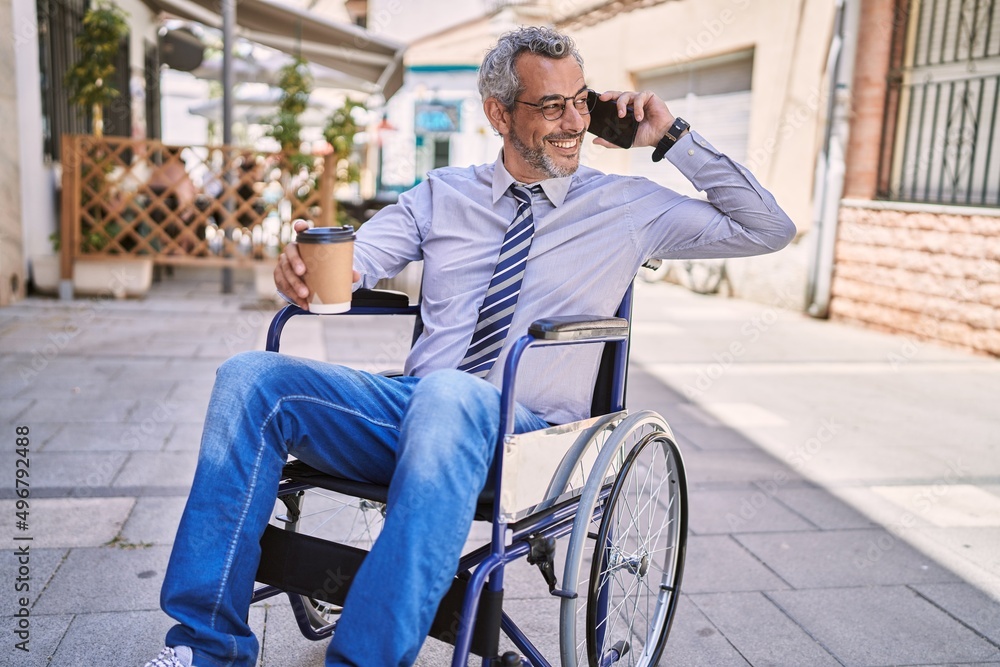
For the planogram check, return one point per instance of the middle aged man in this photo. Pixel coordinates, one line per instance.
(569, 240)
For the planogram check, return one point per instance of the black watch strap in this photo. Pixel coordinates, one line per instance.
(670, 138)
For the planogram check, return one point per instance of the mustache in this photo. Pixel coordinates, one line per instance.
(562, 137)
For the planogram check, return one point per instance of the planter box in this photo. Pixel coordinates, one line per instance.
(119, 278)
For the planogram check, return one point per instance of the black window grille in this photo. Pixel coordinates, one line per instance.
(59, 22)
(153, 117)
(941, 130)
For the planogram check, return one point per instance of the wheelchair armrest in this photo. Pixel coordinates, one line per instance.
(363, 302)
(578, 327)
(379, 298)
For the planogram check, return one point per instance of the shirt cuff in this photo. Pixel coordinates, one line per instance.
(691, 153)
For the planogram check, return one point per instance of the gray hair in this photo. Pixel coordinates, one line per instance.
(498, 76)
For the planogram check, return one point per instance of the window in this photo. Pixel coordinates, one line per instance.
(714, 93)
(941, 127)
(59, 21)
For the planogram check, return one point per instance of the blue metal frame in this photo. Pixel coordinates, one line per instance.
(486, 564)
(288, 312)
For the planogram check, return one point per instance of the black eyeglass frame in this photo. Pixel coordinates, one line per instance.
(588, 96)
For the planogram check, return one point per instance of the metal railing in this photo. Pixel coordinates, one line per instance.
(942, 128)
(217, 205)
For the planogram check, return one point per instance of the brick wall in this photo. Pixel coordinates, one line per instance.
(871, 63)
(932, 275)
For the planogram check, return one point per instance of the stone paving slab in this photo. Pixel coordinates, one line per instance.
(47, 632)
(843, 558)
(70, 470)
(885, 625)
(717, 563)
(696, 642)
(154, 520)
(747, 510)
(79, 409)
(152, 469)
(110, 638)
(43, 563)
(761, 632)
(117, 436)
(712, 438)
(710, 467)
(77, 522)
(130, 581)
(821, 509)
(967, 604)
(184, 437)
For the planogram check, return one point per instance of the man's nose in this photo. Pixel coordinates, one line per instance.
(572, 121)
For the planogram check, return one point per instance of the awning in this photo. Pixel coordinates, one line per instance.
(373, 64)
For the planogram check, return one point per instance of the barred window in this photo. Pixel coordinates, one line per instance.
(59, 22)
(941, 130)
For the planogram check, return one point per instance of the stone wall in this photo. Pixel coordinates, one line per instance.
(930, 274)
(11, 249)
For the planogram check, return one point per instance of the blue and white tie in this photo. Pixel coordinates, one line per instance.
(497, 311)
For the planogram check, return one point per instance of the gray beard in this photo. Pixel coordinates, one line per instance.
(539, 159)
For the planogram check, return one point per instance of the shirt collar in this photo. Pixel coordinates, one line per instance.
(555, 189)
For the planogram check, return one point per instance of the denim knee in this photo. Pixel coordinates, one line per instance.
(459, 394)
(248, 368)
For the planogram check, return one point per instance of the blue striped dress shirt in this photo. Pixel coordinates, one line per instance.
(592, 233)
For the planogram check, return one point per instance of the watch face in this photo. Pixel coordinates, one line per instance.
(679, 126)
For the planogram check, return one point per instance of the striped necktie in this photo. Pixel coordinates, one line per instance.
(497, 310)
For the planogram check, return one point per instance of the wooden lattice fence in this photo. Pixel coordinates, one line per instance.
(208, 205)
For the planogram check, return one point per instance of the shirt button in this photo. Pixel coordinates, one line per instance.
(690, 151)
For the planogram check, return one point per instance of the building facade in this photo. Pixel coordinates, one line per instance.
(918, 238)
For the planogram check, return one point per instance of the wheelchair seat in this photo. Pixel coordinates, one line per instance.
(302, 473)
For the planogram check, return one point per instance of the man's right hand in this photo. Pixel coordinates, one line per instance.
(288, 275)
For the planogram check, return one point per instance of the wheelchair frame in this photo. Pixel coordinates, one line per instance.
(477, 591)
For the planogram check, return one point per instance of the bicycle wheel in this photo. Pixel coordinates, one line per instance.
(629, 534)
(334, 517)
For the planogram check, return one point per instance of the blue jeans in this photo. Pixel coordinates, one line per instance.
(431, 440)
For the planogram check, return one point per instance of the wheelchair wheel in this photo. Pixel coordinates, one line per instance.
(334, 517)
(632, 529)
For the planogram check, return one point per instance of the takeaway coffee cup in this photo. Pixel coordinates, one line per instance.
(328, 253)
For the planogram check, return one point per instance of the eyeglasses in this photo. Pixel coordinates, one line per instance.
(554, 106)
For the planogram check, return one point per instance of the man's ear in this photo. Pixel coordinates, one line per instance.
(498, 115)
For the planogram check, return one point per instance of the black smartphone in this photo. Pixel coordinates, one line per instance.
(605, 123)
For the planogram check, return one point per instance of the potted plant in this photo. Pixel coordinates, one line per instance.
(105, 25)
(341, 127)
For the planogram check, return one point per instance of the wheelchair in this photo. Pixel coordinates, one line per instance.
(614, 485)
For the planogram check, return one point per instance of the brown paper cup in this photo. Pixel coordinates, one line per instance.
(328, 275)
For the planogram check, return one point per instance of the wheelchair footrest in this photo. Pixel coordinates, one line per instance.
(324, 570)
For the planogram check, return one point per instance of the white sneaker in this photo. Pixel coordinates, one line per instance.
(177, 656)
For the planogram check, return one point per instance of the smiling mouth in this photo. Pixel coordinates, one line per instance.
(565, 143)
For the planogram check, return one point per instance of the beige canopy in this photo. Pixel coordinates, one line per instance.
(374, 64)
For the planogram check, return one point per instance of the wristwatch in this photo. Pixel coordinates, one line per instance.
(670, 138)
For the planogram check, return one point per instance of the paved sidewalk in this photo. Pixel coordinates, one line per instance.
(845, 484)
